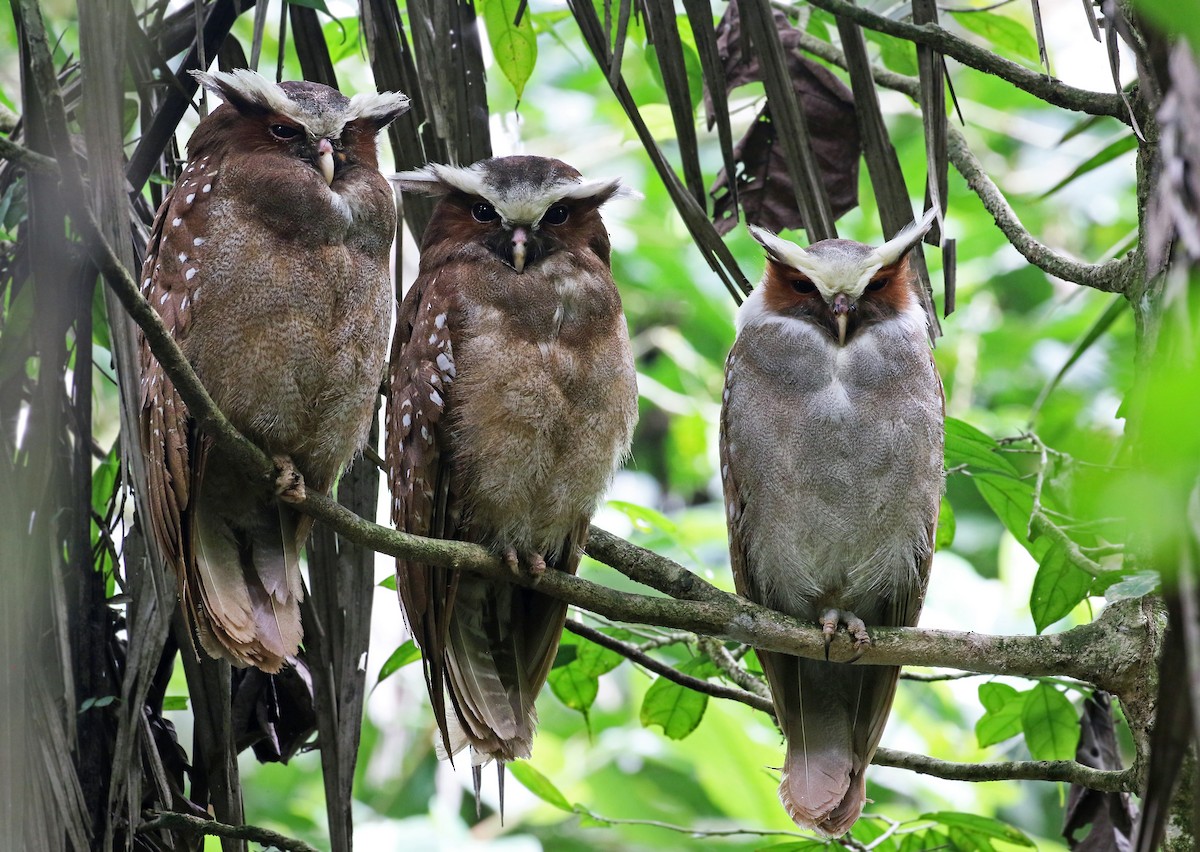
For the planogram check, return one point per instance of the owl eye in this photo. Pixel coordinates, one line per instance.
(284, 131)
(556, 215)
(879, 283)
(803, 285)
(484, 212)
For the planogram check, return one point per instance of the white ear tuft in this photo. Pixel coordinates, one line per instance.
(381, 108)
(907, 237)
(244, 89)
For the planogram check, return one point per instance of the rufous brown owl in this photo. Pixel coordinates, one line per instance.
(512, 401)
(831, 459)
(268, 261)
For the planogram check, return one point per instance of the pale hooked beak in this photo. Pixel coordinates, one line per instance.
(325, 160)
(519, 236)
(841, 313)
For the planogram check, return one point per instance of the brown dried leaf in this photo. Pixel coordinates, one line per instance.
(763, 183)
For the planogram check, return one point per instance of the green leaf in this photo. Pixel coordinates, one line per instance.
(1050, 723)
(175, 702)
(401, 657)
(1012, 501)
(388, 582)
(967, 445)
(920, 841)
(1008, 35)
(1107, 154)
(1057, 588)
(677, 709)
(515, 47)
(896, 54)
(538, 784)
(575, 676)
(1136, 586)
(1166, 15)
(1004, 706)
(980, 825)
(643, 518)
(944, 537)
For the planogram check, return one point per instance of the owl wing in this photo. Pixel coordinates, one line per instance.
(419, 469)
(170, 282)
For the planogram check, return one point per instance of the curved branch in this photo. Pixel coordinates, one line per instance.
(1068, 771)
(1039, 85)
(171, 821)
(1113, 276)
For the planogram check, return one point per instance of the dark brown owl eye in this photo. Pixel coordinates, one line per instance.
(556, 215)
(284, 131)
(803, 285)
(879, 283)
(484, 212)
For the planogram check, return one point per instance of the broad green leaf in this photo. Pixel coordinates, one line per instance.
(1004, 706)
(401, 657)
(677, 709)
(1012, 501)
(341, 34)
(1140, 584)
(967, 445)
(175, 702)
(1166, 15)
(1050, 723)
(1057, 588)
(920, 841)
(538, 784)
(515, 47)
(388, 582)
(596, 660)
(1107, 154)
(574, 687)
(1006, 34)
(980, 825)
(566, 654)
(944, 537)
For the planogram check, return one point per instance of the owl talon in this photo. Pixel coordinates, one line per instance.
(289, 483)
(855, 626)
(512, 561)
(534, 561)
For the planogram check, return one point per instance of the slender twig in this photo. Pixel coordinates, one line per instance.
(634, 654)
(729, 666)
(1067, 771)
(1037, 84)
(1042, 525)
(171, 821)
(696, 832)
(935, 677)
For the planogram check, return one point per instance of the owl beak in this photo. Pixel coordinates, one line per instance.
(325, 160)
(842, 306)
(519, 237)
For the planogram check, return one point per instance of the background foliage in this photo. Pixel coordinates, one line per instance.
(1036, 372)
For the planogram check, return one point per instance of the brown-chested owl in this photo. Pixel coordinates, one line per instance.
(268, 262)
(831, 459)
(512, 401)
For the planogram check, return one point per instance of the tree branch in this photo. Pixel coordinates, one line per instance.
(1035, 83)
(171, 821)
(1068, 771)
(21, 156)
(1113, 276)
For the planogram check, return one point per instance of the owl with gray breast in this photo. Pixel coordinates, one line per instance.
(831, 461)
(512, 401)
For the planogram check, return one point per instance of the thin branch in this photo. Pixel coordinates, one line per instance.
(1067, 771)
(1111, 276)
(1041, 525)
(935, 677)
(729, 666)
(634, 654)
(21, 156)
(1114, 276)
(698, 832)
(1035, 83)
(170, 821)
